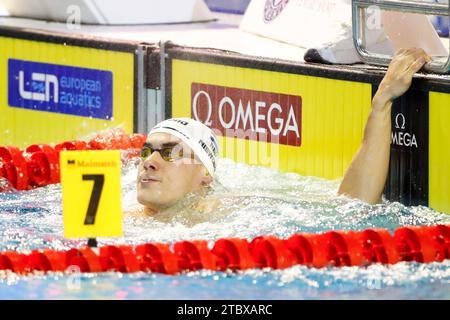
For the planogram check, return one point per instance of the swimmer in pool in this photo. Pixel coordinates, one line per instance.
(178, 159)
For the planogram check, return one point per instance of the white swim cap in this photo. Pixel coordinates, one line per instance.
(196, 135)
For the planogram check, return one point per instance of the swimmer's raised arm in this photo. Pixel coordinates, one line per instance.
(366, 176)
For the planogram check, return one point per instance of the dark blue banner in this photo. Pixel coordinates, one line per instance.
(60, 89)
(228, 6)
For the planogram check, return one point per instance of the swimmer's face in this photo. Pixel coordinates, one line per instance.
(160, 183)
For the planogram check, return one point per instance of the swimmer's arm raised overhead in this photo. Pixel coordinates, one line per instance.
(366, 176)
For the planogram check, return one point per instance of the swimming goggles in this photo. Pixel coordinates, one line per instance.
(169, 152)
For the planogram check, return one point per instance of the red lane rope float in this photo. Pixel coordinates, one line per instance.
(333, 248)
(38, 164)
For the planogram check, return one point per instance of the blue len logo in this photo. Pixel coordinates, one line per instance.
(60, 89)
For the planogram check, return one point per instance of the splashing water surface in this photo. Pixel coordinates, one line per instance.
(255, 201)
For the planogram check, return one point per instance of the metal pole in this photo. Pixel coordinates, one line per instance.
(409, 6)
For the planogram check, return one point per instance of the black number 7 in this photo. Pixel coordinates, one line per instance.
(99, 181)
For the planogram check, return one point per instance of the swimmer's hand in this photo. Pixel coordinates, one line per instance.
(366, 176)
(402, 68)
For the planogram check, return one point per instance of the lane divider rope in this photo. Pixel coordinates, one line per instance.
(422, 244)
(38, 164)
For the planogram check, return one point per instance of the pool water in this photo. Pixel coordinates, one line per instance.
(255, 201)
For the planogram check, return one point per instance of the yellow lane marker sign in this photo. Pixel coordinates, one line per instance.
(92, 200)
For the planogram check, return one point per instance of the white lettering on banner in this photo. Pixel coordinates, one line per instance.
(226, 100)
(194, 103)
(291, 127)
(402, 138)
(246, 116)
(278, 121)
(400, 117)
(259, 104)
(37, 96)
